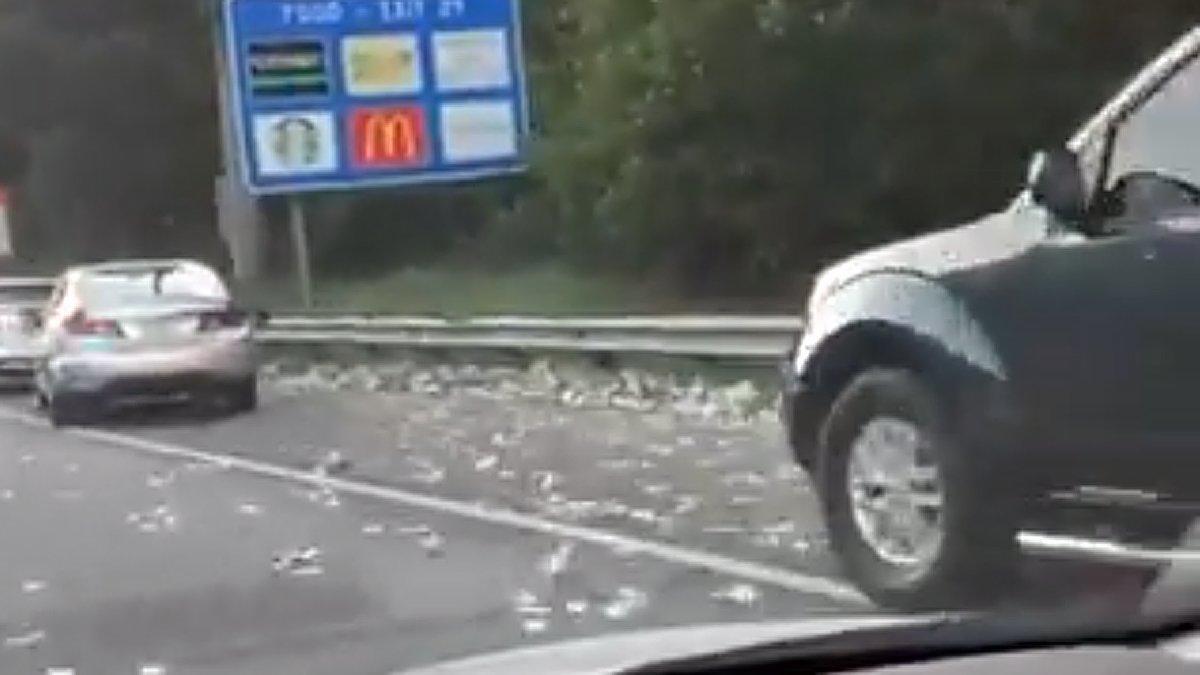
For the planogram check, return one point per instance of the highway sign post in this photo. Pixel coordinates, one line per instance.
(6, 238)
(299, 230)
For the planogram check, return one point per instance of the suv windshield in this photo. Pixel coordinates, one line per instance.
(1159, 137)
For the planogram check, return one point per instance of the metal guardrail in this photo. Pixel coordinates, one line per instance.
(726, 337)
(722, 336)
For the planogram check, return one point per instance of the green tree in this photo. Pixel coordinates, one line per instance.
(725, 146)
(736, 145)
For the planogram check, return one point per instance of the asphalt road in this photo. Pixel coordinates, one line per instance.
(454, 526)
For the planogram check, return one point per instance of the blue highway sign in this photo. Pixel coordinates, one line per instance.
(343, 94)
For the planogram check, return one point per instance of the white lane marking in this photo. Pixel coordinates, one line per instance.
(764, 574)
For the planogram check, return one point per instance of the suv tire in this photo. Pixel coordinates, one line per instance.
(937, 496)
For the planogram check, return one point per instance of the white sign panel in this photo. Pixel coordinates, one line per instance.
(295, 143)
(478, 131)
(472, 59)
(382, 65)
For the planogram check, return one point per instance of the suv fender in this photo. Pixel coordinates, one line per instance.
(902, 320)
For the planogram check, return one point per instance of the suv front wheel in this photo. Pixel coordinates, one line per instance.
(908, 507)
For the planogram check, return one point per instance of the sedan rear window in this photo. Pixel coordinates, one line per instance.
(150, 285)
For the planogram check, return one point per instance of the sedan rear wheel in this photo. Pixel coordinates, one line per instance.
(72, 410)
(243, 397)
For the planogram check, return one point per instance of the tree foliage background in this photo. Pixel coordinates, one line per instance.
(721, 146)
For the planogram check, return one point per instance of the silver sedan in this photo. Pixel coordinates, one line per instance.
(131, 332)
(21, 301)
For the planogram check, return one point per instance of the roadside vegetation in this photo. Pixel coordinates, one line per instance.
(548, 289)
(688, 154)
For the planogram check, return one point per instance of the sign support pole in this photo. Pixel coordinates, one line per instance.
(239, 219)
(7, 247)
(299, 227)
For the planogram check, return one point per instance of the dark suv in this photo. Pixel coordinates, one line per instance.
(1031, 379)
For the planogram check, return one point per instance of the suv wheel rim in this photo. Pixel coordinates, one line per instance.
(896, 493)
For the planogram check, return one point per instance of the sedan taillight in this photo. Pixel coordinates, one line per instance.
(82, 325)
(213, 321)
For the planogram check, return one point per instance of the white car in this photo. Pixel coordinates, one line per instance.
(21, 301)
(124, 333)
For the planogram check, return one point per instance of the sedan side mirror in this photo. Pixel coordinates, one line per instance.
(1056, 183)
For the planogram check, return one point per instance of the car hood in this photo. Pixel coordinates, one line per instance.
(615, 653)
(991, 239)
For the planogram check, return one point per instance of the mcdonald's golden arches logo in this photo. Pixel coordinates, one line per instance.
(391, 137)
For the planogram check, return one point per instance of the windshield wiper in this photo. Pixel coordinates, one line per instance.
(939, 639)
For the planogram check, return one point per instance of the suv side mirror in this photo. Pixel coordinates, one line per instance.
(1056, 183)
